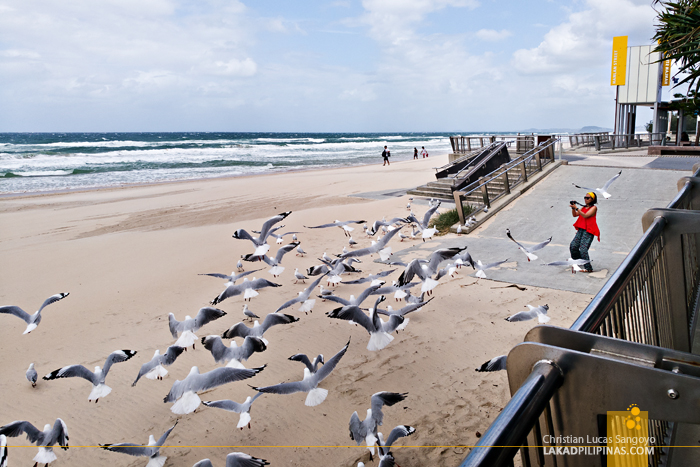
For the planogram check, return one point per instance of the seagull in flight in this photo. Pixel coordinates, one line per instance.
(602, 191)
(184, 393)
(426, 231)
(230, 280)
(97, 378)
(529, 251)
(310, 382)
(377, 247)
(150, 450)
(186, 329)
(480, 267)
(236, 459)
(495, 364)
(247, 288)
(260, 242)
(574, 264)
(32, 320)
(233, 355)
(154, 369)
(232, 406)
(275, 262)
(539, 312)
(306, 304)
(379, 331)
(44, 439)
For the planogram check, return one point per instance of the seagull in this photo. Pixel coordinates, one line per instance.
(377, 247)
(384, 224)
(374, 278)
(410, 308)
(603, 191)
(495, 364)
(299, 276)
(379, 331)
(275, 262)
(31, 375)
(528, 251)
(247, 288)
(351, 242)
(459, 229)
(151, 450)
(44, 439)
(306, 304)
(230, 280)
(294, 237)
(231, 406)
(32, 320)
(325, 293)
(300, 251)
(280, 237)
(426, 268)
(239, 266)
(3, 451)
(450, 269)
(482, 267)
(99, 388)
(464, 258)
(403, 236)
(186, 329)
(154, 369)
(233, 355)
(343, 225)
(236, 459)
(184, 393)
(260, 242)
(427, 232)
(539, 312)
(249, 314)
(575, 264)
(241, 330)
(366, 430)
(310, 382)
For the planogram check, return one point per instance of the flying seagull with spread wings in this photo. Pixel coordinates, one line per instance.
(529, 250)
(44, 439)
(31, 320)
(150, 450)
(602, 191)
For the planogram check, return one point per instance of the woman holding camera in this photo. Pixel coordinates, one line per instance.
(586, 228)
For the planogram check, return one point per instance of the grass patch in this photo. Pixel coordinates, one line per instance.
(447, 219)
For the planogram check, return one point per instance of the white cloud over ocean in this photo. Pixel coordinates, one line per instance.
(372, 65)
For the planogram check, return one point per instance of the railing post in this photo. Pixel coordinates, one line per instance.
(493, 139)
(539, 161)
(504, 176)
(469, 144)
(596, 141)
(485, 192)
(458, 204)
(523, 170)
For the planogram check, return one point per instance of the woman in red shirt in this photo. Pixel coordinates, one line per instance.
(586, 228)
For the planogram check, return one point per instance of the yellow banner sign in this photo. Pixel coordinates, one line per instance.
(666, 81)
(619, 61)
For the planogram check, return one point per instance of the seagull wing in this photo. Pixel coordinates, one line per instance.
(277, 318)
(400, 431)
(495, 364)
(237, 330)
(171, 355)
(176, 327)
(220, 276)
(493, 265)
(261, 283)
(303, 358)
(53, 299)
(583, 187)
(216, 346)
(131, 449)
(264, 231)
(117, 356)
(17, 311)
(70, 372)
(225, 404)
(429, 214)
(204, 463)
(358, 430)
(335, 298)
(219, 376)
(58, 434)
(284, 250)
(539, 246)
(21, 426)
(162, 439)
(330, 364)
(250, 346)
(365, 293)
(522, 316)
(380, 399)
(514, 240)
(609, 182)
(354, 314)
(206, 315)
(230, 291)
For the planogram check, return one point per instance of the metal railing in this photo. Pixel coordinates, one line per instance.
(618, 140)
(466, 144)
(502, 180)
(630, 344)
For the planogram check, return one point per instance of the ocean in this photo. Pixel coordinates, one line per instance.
(41, 162)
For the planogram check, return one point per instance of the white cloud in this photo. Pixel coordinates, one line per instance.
(585, 39)
(491, 35)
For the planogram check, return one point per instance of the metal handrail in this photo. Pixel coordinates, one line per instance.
(520, 162)
(640, 303)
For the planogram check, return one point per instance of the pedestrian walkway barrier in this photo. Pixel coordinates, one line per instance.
(629, 364)
(601, 141)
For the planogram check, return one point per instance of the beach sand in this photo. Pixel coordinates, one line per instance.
(130, 256)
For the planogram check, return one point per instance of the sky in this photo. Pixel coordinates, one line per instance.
(311, 66)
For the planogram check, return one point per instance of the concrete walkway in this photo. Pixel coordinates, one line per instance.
(543, 211)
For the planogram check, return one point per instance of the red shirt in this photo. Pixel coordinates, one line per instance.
(588, 224)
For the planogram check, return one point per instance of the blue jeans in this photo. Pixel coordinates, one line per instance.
(580, 245)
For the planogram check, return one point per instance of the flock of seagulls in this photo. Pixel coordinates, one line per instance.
(184, 394)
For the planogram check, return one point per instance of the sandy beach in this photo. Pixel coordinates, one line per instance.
(130, 256)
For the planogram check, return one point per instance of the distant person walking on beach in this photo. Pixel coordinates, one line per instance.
(386, 154)
(586, 228)
(415, 153)
(424, 152)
